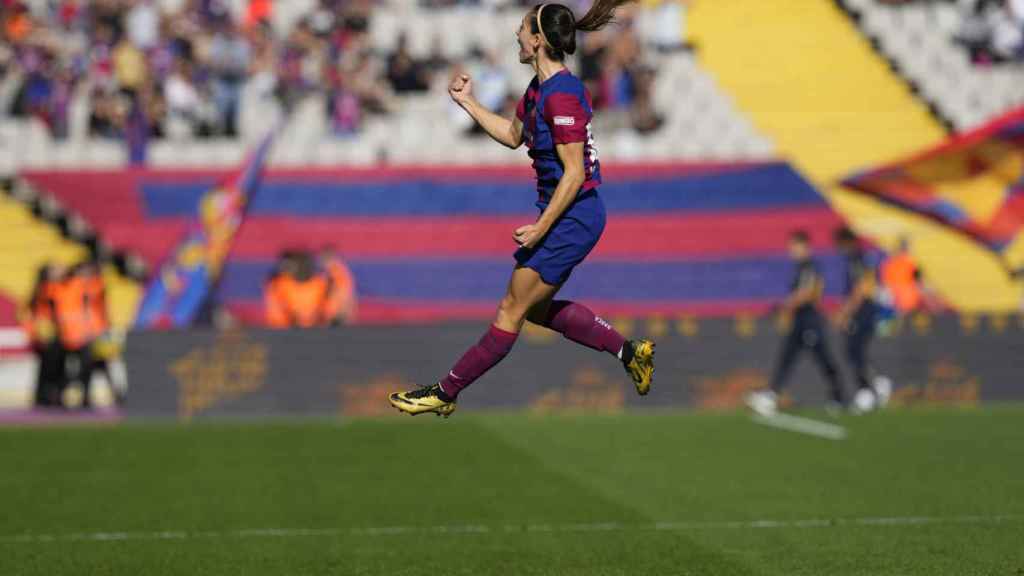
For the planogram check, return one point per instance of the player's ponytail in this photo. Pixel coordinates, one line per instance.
(558, 26)
(601, 13)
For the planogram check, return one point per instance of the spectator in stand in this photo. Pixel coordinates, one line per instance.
(992, 30)
(405, 73)
(613, 69)
(299, 69)
(643, 116)
(343, 107)
(156, 69)
(142, 23)
(1014, 35)
(188, 112)
(108, 116)
(492, 86)
(259, 12)
(620, 66)
(230, 56)
(373, 94)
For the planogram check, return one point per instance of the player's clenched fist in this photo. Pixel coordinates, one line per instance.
(461, 88)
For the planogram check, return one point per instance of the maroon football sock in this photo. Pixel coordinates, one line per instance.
(579, 324)
(492, 347)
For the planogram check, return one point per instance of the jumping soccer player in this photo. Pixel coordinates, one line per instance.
(808, 330)
(553, 119)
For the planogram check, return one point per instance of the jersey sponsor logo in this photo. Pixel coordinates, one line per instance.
(565, 121)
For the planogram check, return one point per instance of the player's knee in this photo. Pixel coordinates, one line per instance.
(512, 309)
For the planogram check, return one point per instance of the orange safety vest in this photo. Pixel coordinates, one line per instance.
(96, 301)
(290, 302)
(37, 317)
(72, 312)
(899, 275)
(342, 288)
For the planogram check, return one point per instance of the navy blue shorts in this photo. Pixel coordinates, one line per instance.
(568, 242)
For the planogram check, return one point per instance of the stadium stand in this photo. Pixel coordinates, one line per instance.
(925, 41)
(707, 127)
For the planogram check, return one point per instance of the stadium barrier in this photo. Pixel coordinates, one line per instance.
(702, 364)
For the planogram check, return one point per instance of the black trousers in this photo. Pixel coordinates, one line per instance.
(808, 332)
(50, 374)
(79, 366)
(859, 334)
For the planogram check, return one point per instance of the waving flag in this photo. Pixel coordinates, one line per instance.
(177, 292)
(974, 183)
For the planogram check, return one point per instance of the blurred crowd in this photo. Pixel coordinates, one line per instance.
(69, 330)
(993, 30)
(147, 71)
(306, 290)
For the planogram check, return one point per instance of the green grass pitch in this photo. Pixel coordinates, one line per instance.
(914, 491)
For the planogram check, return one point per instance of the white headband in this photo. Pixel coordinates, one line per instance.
(541, 28)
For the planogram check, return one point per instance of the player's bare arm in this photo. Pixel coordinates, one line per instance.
(569, 185)
(503, 130)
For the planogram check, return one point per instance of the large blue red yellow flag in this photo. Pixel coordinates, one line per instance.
(177, 292)
(974, 183)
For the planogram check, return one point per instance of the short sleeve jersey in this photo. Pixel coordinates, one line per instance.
(558, 111)
(807, 274)
(856, 267)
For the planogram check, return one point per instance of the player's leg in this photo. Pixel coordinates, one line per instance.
(578, 323)
(765, 402)
(791, 348)
(525, 289)
(581, 325)
(872, 390)
(85, 371)
(856, 353)
(818, 343)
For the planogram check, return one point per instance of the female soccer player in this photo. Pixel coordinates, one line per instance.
(553, 119)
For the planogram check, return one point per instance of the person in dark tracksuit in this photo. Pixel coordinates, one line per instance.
(808, 330)
(857, 320)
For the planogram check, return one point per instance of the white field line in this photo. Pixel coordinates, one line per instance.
(802, 425)
(385, 531)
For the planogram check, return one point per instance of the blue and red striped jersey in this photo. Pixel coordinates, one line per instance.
(558, 111)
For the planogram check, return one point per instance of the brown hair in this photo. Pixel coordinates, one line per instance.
(557, 24)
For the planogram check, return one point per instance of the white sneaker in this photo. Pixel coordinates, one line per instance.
(864, 401)
(763, 402)
(883, 389)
